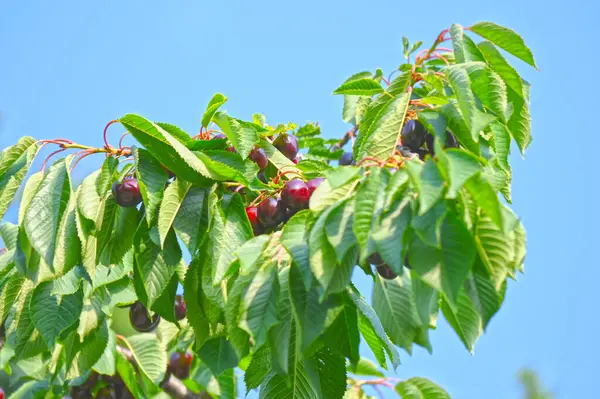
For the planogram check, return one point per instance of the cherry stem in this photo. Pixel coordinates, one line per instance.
(82, 154)
(281, 174)
(106, 145)
(438, 55)
(121, 140)
(50, 156)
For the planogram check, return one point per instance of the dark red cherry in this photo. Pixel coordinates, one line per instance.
(259, 156)
(413, 134)
(375, 259)
(314, 183)
(127, 194)
(138, 315)
(257, 226)
(295, 160)
(1, 393)
(386, 272)
(287, 144)
(347, 159)
(296, 194)
(180, 308)
(270, 212)
(261, 177)
(180, 364)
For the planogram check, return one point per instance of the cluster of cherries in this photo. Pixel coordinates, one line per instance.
(417, 140)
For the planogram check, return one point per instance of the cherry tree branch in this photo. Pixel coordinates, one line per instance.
(171, 385)
(345, 138)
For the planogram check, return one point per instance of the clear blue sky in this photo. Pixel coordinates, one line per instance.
(69, 67)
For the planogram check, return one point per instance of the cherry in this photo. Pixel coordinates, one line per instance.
(127, 194)
(314, 183)
(1, 393)
(346, 159)
(295, 160)
(375, 259)
(405, 151)
(451, 142)
(259, 156)
(138, 315)
(261, 177)
(257, 227)
(106, 393)
(386, 272)
(296, 194)
(270, 212)
(220, 136)
(287, 144)
(80, 393)
(180, 308)
(413, 134)
(180, 364)
(422, 152)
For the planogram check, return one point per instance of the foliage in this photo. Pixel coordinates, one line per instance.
(265, 261)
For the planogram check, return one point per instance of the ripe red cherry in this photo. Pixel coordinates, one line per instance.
(259, 156)
(257, 227)
(180, 308)
(296, 194)
(295, 160)
(386, 272)
(314, 183)
(127, 194)
(180, 364)
(138, 315)
(1, 393)
(270, 212)
(287, 144)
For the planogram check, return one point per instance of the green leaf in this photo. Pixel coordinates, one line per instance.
(486, 197)
(107, 363)
(505, 39)
(91, 316)
(323, 260)
(372, 330)
(394, 303)
(490, 89)
(360, 87)
(325, 196)
(365, 367)
(127, 373)
(519, 122)
(389, 235)
(169, 207)
(259, 304)
(342, 336)
(31, 390)
(460, 166)
(495, 249)
(354, 108)
(14, 165)
(243, 135)
(475, 119)
(464, 49)
(152, 179)
(381, 138)
(191, 221)
(464, 319)
(46, 209)
(15, 284)
(499, 64)
(68, 246)
(279, 335)
(338, 227)
(259, 368)
(228, 233)
(213, 105)
(218, 355)
(155, 267)
(459, 127)
(367, 205)
(52, 314)
(428, 182)
(168, 150)
(82, 356)
(445, 269)
(420, 388)
(149, 354)
(294, 238)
